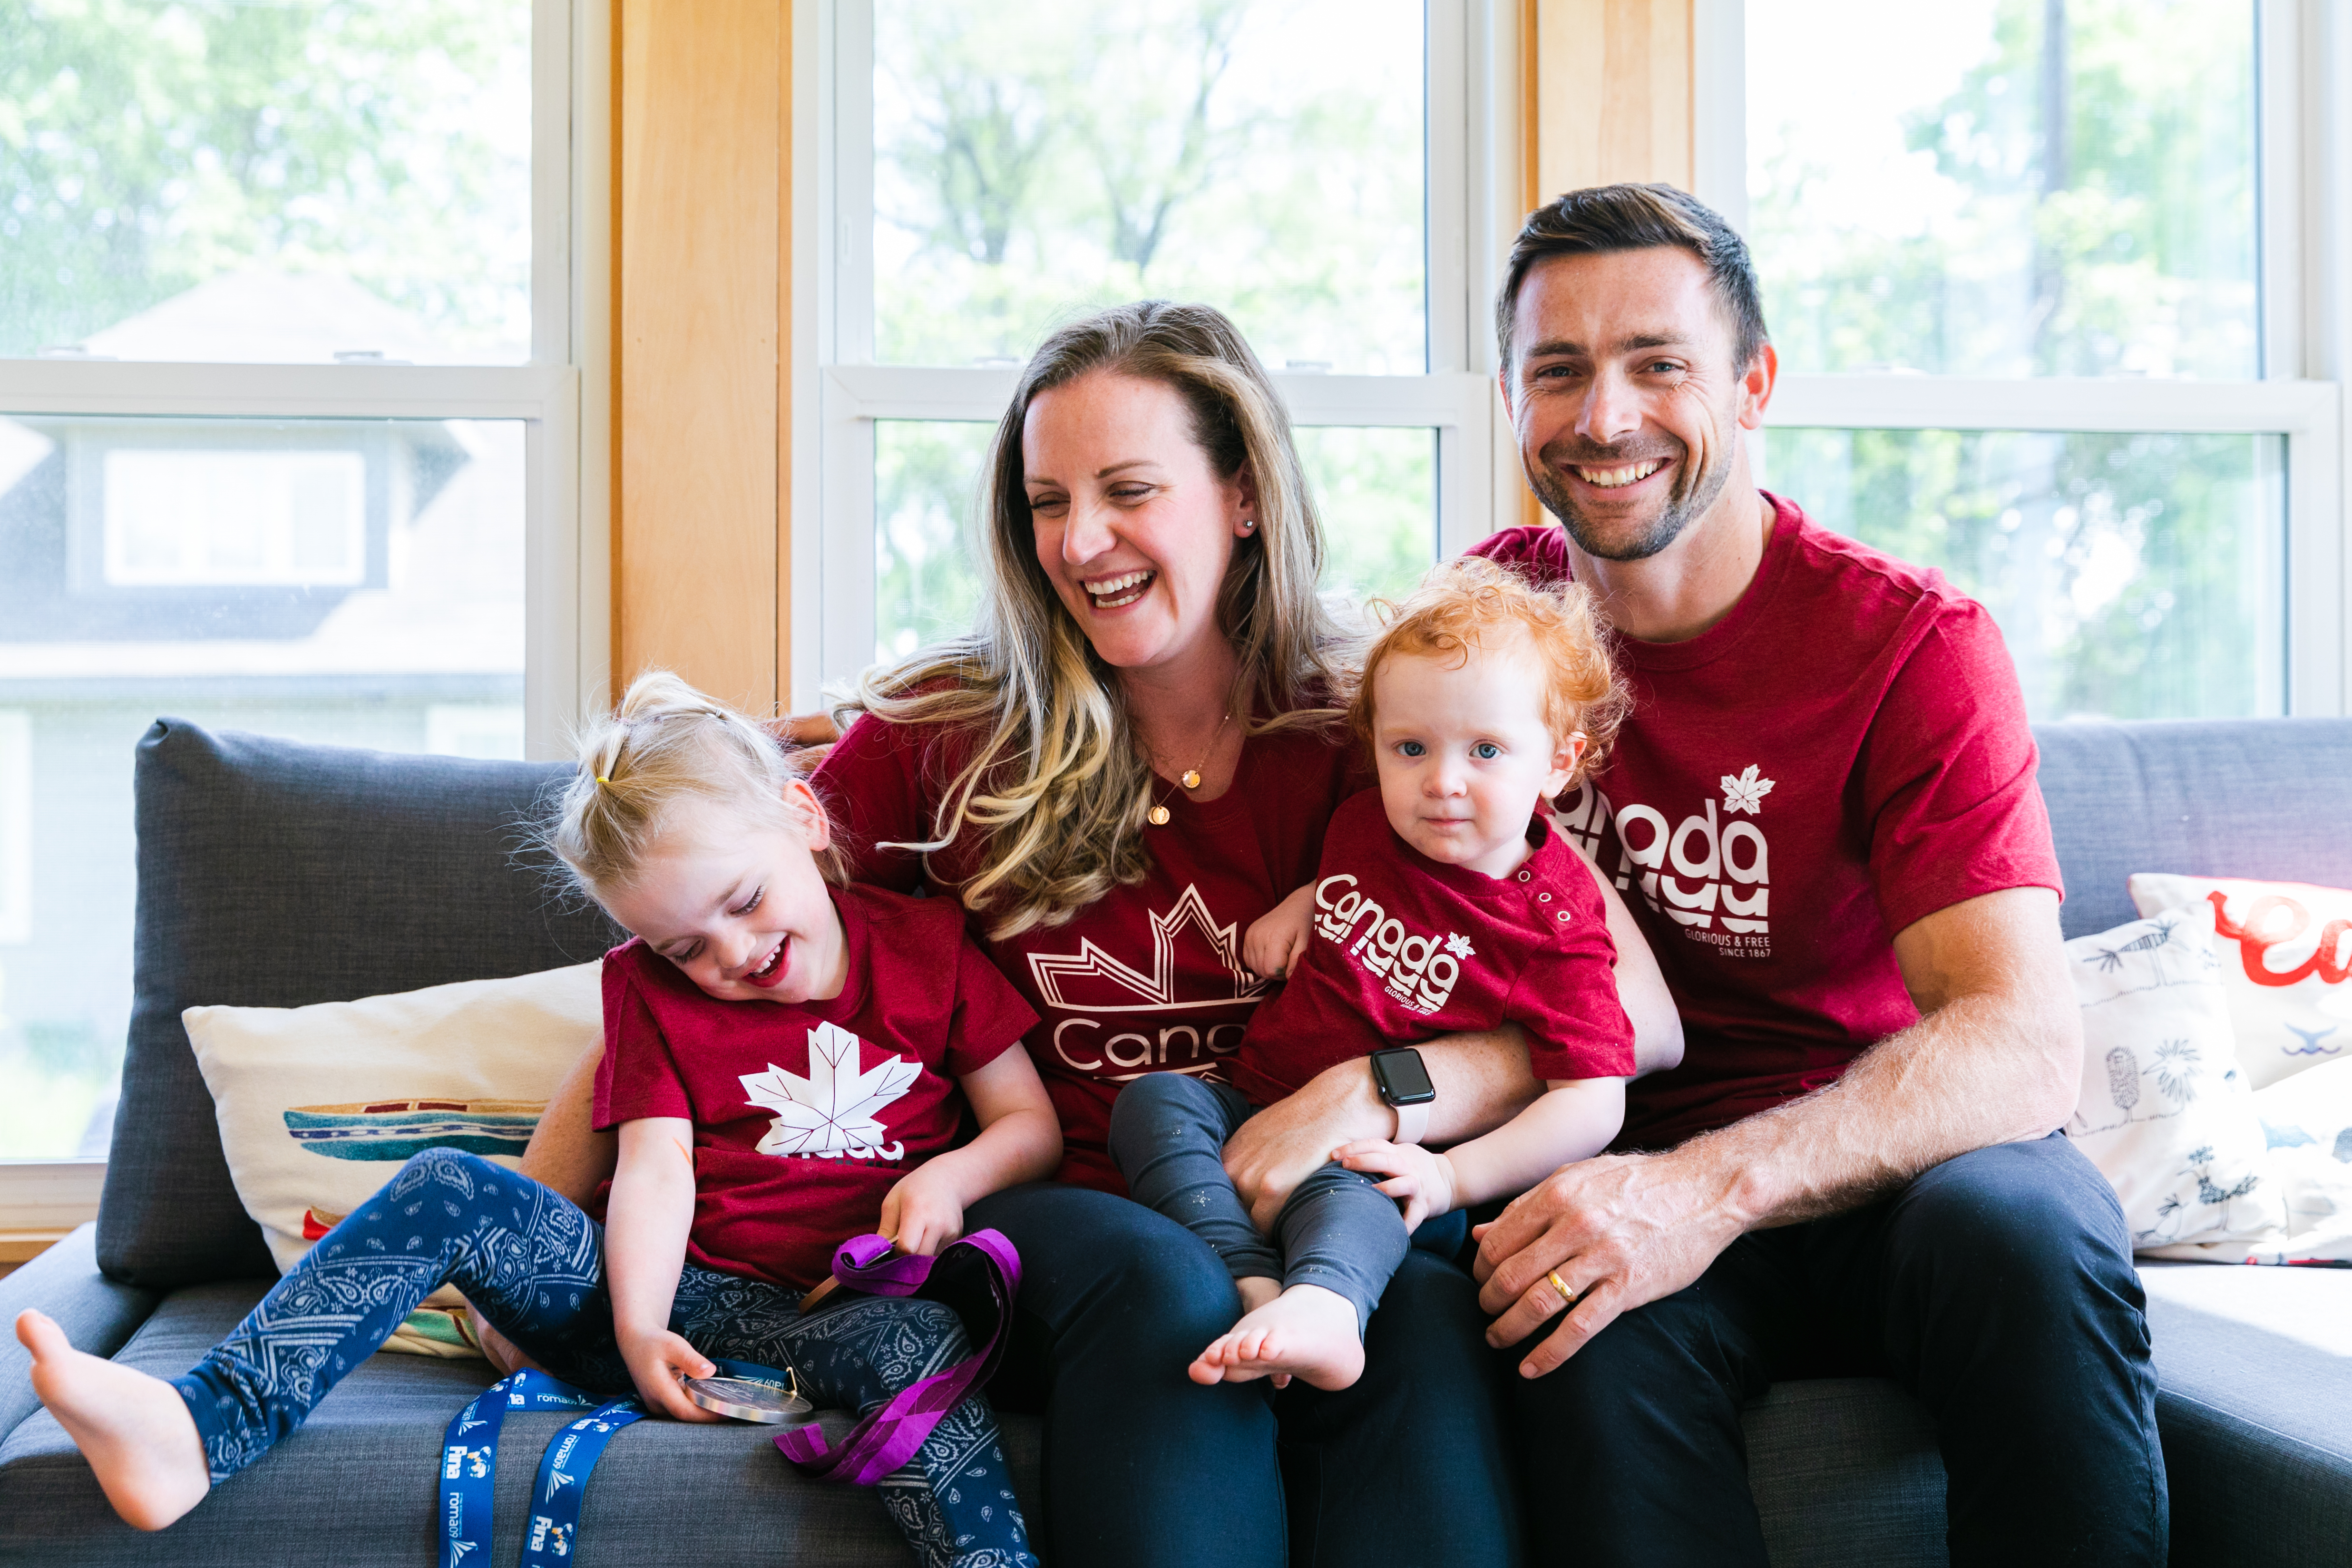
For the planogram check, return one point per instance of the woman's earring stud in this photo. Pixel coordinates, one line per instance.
(1248, 524)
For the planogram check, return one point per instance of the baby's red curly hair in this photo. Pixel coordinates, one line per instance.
(1471, 602)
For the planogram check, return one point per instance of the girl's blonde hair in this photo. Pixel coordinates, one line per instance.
(1472, 602)
(1056, 784)
(667, 744)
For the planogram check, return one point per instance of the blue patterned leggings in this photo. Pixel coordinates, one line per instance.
(533, 1264)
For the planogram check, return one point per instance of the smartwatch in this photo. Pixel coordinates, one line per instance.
(1404, 1086)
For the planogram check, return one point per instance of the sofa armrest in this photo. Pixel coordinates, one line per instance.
(98, 1314)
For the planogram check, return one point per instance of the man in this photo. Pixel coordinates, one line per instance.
(1825, 798)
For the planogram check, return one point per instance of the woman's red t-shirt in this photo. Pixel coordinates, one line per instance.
(1148, 978)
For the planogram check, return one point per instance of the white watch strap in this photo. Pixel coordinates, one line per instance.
(1412, 1121)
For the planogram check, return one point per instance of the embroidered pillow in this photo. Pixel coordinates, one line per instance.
(319, 1106)
(2285, 947)
(2164, 1110)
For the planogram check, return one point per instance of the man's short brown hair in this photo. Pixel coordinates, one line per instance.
(1601, 219)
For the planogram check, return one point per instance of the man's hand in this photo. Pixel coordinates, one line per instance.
(1619, 1231)
(1276, 940)
(1422, 1181)
(923, 1213)
(657, 1361)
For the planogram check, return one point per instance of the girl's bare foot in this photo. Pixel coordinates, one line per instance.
(136, 1430)
(1306, 1332)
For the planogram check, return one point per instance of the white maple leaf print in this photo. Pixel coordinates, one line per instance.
(831, 1111)
(1458, 945)
(1745, 793)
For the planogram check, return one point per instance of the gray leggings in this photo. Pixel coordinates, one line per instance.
(1168, 1133)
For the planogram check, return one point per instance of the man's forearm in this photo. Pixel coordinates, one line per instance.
(1979, 1071)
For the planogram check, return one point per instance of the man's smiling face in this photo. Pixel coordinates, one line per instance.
(1626, 396)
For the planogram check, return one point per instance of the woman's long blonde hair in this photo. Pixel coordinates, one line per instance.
(1057, 785)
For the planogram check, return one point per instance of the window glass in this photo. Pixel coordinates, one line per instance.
(358, 582)
(221, 180)
(2134, 576)
(1034, 162)
(2006, 187)
(1375, 489)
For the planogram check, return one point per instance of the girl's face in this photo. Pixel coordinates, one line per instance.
(741, 905)
(1464, 754)
(1133, 526)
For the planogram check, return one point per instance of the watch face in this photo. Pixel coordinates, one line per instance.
(1403, 1081)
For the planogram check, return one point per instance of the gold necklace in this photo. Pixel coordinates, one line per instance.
(1191, 778)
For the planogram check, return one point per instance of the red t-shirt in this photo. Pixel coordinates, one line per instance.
(1403, 949)
(806, 1115)
(1843, 754)
(1148, 978)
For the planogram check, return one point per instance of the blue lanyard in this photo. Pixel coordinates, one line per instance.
(470, 1463)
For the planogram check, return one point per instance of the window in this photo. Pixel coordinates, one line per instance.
(1310, 167)
(2036, 274)
(288, 442)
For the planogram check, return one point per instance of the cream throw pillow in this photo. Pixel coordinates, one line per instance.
(320, 1106)
(2164, 1110)
(2285, 948)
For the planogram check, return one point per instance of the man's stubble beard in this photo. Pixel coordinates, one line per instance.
(1687, 500)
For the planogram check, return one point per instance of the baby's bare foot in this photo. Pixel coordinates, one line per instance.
(1306, 1331)
(136, 1430)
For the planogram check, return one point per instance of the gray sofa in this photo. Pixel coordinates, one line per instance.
(276, 873)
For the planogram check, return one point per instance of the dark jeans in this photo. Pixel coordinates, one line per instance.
(533, 1264)
(1997, 1287)
(1338, 1229)
(1145, 1469)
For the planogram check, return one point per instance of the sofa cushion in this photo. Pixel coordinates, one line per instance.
(2253, 797)
(363, 1476)
(2254, 1377)
(273, 873)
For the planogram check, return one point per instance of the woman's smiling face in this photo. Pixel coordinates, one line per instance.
(739, 906)
(1133, 526)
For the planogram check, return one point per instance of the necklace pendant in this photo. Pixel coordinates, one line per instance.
(1157, 816)
(1191, 780)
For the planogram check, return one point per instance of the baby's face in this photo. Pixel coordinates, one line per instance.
(1464, 756)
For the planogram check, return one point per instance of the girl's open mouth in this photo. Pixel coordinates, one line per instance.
(772, 971)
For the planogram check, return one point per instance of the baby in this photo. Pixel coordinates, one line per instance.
(1443, 903)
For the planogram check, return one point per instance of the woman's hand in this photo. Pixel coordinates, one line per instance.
(1422, 1181)
(496, 1349)
(657, 1361)
(1276, 940)
(924, 1212)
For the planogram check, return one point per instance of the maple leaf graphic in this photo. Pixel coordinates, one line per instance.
(1745, 793)
(830, 1112)
(1458, 945)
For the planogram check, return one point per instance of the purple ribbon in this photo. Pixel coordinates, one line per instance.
(884, 1440)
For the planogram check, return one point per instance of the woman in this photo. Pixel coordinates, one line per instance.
(1132, 759)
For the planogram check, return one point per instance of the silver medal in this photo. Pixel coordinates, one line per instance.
(747, 1401)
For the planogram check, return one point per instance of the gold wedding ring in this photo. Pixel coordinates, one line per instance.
(1566, 1296)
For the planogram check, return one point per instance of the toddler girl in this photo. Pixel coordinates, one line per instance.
(782, 1058)
(1445, 903)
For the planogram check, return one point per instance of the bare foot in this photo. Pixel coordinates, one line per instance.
(136, 1430)
(1306, 1331)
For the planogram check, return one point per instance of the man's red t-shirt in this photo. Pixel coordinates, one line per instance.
(806, 1115)
(1402, 949)
(1148, 978)
(1843, 754)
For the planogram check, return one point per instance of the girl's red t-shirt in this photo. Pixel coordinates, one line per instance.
(806, 1115)
(1401, 948)
(1148, 978)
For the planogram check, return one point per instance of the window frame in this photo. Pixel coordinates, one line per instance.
(2303, 53)
(1473, 207)
(561, 394)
